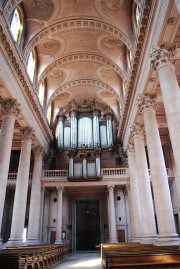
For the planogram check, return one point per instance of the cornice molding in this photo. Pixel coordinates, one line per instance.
(159, 12)
(74, 24)
(89, 82)
(19, 70)
(135, 67)
(82, 56)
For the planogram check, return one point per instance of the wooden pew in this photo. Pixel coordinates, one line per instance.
(33, 257)
(130, 255)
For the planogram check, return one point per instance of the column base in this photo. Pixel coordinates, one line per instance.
(15, 242)
(58, 242)
(32, 241)
(168, 240)
(113, 241)
(151, 239)
(136, 239)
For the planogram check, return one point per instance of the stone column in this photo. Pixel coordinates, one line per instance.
(9, 110)
(112, 217)
(96, 128)
(148, 218)
(33, 237)
(109, 130)
(162, 61)
(73, 129)
(61, 131)
(127, 208)
(19, 208)
(59, 216)
(163, 204)
(135, 203)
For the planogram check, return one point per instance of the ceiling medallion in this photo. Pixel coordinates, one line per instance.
(113, 4)
(56, 74)
(41, 9)
(64, 95)
(50, 46)
(106, 94)
(112, 43)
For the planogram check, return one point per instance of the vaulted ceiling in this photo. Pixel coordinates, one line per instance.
(82, 48)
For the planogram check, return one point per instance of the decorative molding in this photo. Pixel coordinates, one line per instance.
(90, 82)
(41, 9)
(10, 107)
(23, 78)
(146, 102)
(50, 46)
(27, 133)
(136, 129)
(135, 67)
(75, 24)
(129, 149)
(113, 5)
(162, 56)
(85, 105)
(83, 56)
(172, 20)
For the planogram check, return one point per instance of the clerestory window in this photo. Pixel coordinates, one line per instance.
(17, 25)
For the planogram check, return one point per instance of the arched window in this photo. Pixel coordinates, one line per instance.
(41, 93)
(137, 14)
(31, 65)
(17, 25)
(49, 114)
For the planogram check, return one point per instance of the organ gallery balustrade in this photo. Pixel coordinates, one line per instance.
(63, 174)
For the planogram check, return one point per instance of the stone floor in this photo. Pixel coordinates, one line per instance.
(81, 260)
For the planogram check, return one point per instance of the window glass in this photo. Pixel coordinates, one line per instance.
(41, 93)
(137, 15)
(31, 65)
(16, 25)
(49, 114)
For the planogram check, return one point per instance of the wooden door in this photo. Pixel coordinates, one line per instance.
(52, 237)
(121, 235)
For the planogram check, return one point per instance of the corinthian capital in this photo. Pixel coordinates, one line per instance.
(10, 107)
(137, 129)
(27, 133)
(38, 151)
(146, 102)
(162, 56)
(110, 187)
(129, 148)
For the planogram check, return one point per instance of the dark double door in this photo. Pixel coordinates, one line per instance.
(87, 224)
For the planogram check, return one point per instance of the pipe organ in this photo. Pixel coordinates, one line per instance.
(84, 134)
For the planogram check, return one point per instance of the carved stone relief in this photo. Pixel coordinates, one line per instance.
(113, 4)
(50, 46)
(106, 94)
(41, 9)
(56, 74)
(112, 43)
